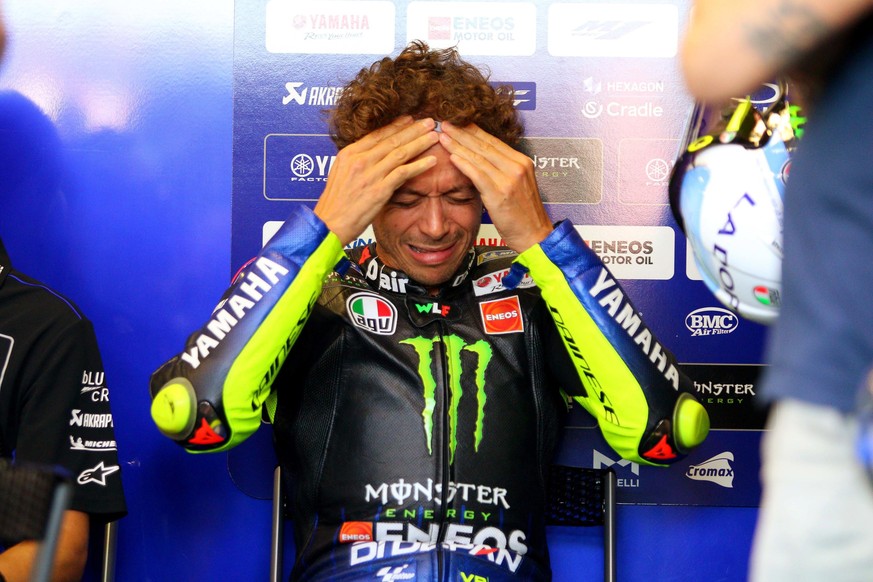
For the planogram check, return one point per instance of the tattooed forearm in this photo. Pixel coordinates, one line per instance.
(787, 32)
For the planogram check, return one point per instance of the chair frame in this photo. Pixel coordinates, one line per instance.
(577, 510)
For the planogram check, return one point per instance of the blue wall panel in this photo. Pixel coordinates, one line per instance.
(115, 161)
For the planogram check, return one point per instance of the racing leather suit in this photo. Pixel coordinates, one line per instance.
(416, 429)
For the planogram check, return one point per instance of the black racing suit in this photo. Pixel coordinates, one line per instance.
(416, 429)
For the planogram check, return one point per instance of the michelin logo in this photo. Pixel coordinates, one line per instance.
(83, 445)
(717, 469)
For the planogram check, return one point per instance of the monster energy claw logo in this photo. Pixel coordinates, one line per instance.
(454, 346)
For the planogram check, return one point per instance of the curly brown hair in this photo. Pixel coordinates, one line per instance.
(423, 83)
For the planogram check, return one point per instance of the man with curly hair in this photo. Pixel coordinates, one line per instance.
(416, 385)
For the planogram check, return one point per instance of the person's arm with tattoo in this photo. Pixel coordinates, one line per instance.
(753, 41)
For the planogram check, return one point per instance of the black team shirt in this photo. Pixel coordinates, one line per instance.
(54, 401)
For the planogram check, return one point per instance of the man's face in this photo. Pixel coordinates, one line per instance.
(430, 222)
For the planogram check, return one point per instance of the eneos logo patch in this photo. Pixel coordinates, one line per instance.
(372, 313)
(502, 316)
(356, 531)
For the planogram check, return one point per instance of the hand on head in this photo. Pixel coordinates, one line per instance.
(367, 172)
(506, 181)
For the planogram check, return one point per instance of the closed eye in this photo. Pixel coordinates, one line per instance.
(462, 197)
(405, 200)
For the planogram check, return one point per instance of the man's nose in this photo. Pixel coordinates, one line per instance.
(434, 221)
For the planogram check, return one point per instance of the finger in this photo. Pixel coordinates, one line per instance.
(400, 151)
(481, 143)
(401, 174)
(378, 135)
(400, 131)
(481, 171)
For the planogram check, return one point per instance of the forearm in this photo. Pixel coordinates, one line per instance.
(732, 46)
(16, 563)
(209, 396)
(632, 383)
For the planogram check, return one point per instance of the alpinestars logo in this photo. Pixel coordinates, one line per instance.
(454, 347)
(716, 469)
(96, 474)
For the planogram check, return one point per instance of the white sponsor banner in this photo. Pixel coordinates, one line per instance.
(633, 252)
(476, 28)
(613, 29)
(691, 270)
(330, 27)
(630, 252)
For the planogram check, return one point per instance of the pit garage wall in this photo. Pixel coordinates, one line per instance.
(145, 151)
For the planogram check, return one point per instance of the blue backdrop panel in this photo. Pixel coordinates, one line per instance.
(604, 107)
(132, 182)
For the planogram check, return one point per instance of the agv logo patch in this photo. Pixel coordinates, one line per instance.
(372, 313)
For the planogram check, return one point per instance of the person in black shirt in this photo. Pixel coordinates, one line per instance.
(54, 410)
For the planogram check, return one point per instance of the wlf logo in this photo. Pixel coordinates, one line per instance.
(718, 470)
(372, 313)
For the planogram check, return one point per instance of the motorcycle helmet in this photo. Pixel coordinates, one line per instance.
(726, 193)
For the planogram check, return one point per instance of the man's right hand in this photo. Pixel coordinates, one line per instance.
(366, 173)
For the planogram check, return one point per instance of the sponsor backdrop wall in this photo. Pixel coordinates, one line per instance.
(151, 148)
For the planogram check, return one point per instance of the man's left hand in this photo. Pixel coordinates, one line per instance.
(506, 181)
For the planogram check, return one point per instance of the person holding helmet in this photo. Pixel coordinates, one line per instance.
(816, 517)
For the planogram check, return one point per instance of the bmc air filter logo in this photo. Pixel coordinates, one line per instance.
(711, 321)
(372, 313)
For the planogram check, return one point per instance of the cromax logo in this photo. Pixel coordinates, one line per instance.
(711, 321)
(717, 469)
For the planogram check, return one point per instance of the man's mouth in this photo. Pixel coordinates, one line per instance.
(432, 255)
